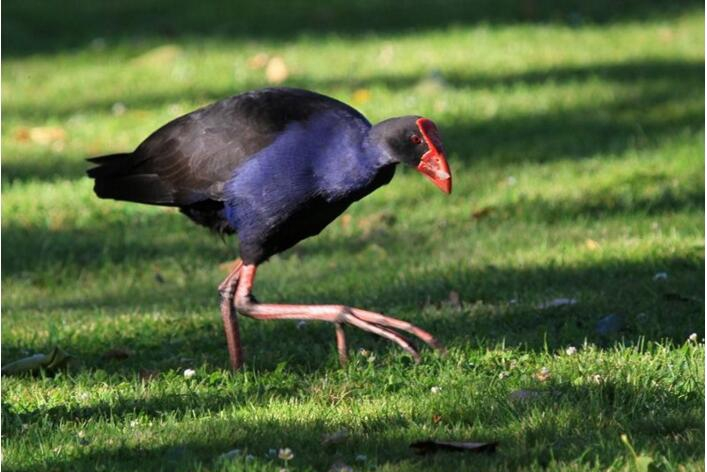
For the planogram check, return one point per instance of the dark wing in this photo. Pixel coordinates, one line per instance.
(191, 158)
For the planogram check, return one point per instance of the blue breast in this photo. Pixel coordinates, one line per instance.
(321, 165)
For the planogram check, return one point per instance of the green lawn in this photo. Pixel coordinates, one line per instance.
(576, 139)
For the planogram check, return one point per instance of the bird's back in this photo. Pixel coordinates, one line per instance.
(189, 159)
(187, 162)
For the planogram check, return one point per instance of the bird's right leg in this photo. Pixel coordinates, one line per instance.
(227, 289)
(375, 323)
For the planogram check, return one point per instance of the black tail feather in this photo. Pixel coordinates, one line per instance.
(118, 177)
(111, 165)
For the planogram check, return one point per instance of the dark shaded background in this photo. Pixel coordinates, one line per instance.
(36, 26)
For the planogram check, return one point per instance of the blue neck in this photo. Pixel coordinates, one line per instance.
(355, 164)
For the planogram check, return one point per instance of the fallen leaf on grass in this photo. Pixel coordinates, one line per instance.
(276, 71)
(431, 446)
(345, 220)
(118, 353)
(482, 212)
(436, 419)
(258, 61)
(360, 96)
(159, 56)
(591, 244)
(543, 375)
(41, 135)
(56, 359)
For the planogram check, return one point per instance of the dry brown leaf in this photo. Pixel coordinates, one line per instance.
(431, 446)
(346, 221)
(118, 353)
(259, 61)
(436, 419)
(41, 135)
(591, 244)
(159, 56)
(22, 135)
(360, 96)
(482, 212)
(543, 375)
(276, 71)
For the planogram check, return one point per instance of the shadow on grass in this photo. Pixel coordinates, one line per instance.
(498, 306)
(33, 26)
(44, 256)
(664, 100)
(655, 415)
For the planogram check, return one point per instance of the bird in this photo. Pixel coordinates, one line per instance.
(275, 166)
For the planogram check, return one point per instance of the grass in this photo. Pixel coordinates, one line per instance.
(576, 139)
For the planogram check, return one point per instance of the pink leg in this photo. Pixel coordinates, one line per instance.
(341, 343)
(229, 315)
(338, 314)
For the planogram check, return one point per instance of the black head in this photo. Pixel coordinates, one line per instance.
(415, 141)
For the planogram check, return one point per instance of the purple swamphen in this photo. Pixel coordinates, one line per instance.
(275, 166)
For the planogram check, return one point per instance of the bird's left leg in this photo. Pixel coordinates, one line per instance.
(338, 314)
(227, 289)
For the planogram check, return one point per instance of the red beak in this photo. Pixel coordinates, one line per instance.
(433, 163)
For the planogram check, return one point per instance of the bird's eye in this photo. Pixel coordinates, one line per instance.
(415, 139)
